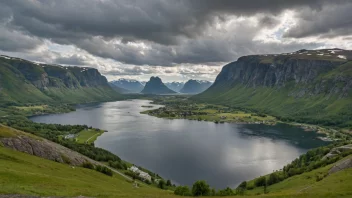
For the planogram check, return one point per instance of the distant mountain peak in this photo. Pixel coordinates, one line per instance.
(156, 86)
(195, 86)
(131, 85)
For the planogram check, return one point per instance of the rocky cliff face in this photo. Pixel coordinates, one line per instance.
(308, 73)
(312, 86)
(156, 86)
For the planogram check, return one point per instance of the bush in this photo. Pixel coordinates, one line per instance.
(168, 183)
(104, 170)
(273, 179)
(261, 181)
(118, 165)
(88, 165)
(226, 192)
(200, 188)
(161, 184)
(183, 191)
(241, 188)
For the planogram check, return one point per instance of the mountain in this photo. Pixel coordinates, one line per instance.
(22, 81)
(119, 89)
(175, 86)
(134, 86)
(195, 86)
(156, 86)
(313, 86)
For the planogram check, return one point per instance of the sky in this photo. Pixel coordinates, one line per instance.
(176, 40)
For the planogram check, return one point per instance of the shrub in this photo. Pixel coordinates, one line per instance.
(200, 188)
(226, 192)
(261, 181)
(161, 184)
(183, 191)
(104, 170)
(88, 165)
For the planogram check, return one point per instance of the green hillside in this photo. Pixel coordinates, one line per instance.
(21, 173)
(293, 87)
(23, 81)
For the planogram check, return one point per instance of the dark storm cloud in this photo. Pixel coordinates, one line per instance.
(158, 21)
(176, 31)
(331, 21)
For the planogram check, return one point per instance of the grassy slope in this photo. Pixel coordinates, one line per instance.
(277, 102)
(14, 87)
(89, 134)
(25, 174)
(335, 185)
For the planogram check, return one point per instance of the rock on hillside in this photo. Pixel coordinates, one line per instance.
(342, 165)
(21, 141)
(156, 86)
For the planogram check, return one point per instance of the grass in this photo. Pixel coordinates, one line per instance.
(31, 108)
(277, 102)
(88, 136)
(21, 173)
(334, 185)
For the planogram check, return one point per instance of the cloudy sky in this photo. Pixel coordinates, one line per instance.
(174, 39)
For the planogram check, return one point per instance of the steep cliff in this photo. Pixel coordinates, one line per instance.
(22, 81)
(307, 85)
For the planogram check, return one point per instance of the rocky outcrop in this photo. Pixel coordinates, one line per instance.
(342, 165)
(44, 148)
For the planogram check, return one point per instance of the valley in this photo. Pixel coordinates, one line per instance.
(160, 138)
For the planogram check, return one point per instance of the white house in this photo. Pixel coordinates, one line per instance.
(142, 174)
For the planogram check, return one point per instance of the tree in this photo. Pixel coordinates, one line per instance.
(200, 188)
(261, 181)
(168, 183)
(241, 188)
(161, 184)
(183, 191)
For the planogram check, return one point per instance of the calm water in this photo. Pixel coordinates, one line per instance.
(185, 151)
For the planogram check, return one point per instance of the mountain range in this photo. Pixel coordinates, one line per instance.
(175, 86)
(128, 85)
(313, 86)
(195, 86)
(23, 81)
